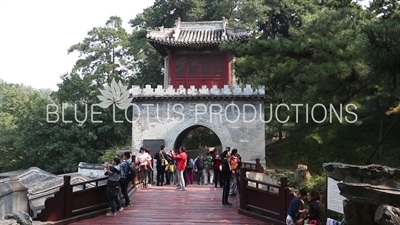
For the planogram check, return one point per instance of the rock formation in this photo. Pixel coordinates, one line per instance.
(21, 218)
(40, 184)
(372, 192)
(387, 215)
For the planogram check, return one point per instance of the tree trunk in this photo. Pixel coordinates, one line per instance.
(380, 135)
(267, 30)
(280, 130)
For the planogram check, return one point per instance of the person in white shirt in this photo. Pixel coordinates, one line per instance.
(143, 160)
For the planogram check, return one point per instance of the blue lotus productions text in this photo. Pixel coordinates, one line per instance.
(227, 113)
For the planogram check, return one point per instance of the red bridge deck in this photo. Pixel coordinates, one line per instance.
(199, 204)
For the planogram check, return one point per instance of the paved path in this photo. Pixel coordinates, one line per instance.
(199, 204)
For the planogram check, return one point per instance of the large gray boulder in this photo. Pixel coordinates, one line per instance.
(370, 174)
(387, 215)
(22, 218)
(372, 192)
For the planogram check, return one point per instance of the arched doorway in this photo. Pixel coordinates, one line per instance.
(166, 125)
(197, 139)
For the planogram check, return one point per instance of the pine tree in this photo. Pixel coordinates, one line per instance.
(311, 57)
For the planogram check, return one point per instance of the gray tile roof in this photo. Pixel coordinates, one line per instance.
(202, 33)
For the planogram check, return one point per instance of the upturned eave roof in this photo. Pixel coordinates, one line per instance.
(197, 34)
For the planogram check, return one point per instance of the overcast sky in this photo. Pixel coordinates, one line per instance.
(35, 35)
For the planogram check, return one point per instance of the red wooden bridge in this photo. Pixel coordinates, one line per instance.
(162, 205)
(86, 203)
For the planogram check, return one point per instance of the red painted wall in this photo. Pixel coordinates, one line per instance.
(200, 69)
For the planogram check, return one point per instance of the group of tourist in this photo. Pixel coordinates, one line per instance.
(298, 214)
(118, 176)
(121, 173)
(214, 168)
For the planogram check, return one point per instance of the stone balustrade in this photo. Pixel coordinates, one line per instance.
(247, 90)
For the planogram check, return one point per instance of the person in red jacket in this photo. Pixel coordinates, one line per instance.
(181, 161)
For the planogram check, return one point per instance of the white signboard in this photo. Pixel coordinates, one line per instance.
(334, 199)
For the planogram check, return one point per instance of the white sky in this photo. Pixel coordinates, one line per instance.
(35, 35)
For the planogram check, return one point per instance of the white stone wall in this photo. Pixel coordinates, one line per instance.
(91, 170)
(238, 123)
(235, 90)
(13, 197)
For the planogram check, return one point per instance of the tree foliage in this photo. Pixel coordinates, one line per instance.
(304, 52)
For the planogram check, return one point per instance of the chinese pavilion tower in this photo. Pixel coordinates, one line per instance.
(191, 53)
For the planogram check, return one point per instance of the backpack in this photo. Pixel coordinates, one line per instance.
(131, 172)
(225, 165)
(190, 165)
(208, 162)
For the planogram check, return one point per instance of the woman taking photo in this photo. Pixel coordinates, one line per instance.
(181, 161)
(315, 208)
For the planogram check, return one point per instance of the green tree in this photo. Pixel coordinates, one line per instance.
(102, 53)
(382, 53)
(13, 99)
(103, 58)
(309, 60)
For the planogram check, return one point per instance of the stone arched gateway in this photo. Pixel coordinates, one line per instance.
(180, 138)
(235, 115)
(199, 89)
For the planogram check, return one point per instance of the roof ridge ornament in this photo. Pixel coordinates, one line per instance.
(177, 28)
(224, 25)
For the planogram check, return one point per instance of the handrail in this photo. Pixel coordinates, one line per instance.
(271, 211)
(68, 205)
(262, 182)
(89, 181)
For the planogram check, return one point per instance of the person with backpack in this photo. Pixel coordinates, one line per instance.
(126, 176)
(199, 168)
(226, 175)
(169, 175)
(208, 169)
(113, 172)
(189, 171)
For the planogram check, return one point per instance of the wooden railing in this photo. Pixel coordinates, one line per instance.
(257, 167)
(253, 167)
(263, 201)
(91, 200)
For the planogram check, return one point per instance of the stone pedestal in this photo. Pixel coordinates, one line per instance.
(357, 213)
(372, 192)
